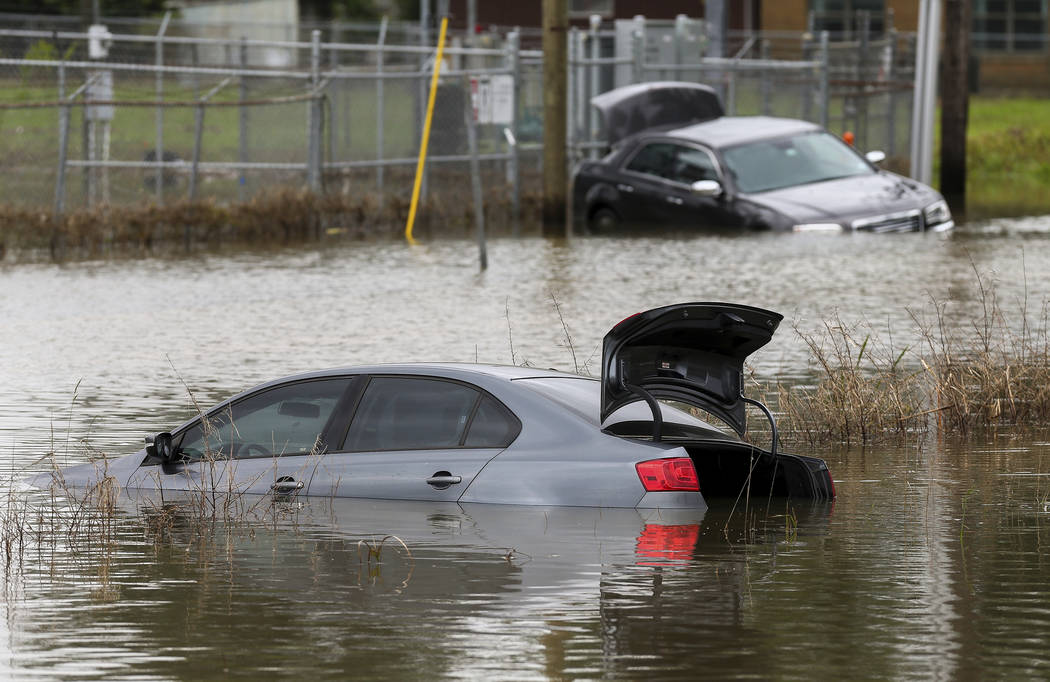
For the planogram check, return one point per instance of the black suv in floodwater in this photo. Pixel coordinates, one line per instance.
(677, 161)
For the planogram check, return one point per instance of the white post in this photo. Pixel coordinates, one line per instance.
(596, 72)
(925, 96)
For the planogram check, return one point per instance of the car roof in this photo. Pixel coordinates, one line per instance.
(447, 369)
(731, 130)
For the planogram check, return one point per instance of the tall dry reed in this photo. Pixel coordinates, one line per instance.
(973, 364)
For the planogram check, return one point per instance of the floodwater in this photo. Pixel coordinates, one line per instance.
(931, 563)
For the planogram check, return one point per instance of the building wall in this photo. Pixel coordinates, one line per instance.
(905, 14)
(784, 15)
(1028, 73)
(530, 12)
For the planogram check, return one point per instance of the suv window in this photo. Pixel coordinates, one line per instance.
(654, 159)
(674, 162)
(693, 164)
(409, 413)
(284, 420)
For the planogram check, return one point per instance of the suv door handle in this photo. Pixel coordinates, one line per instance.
(677, 201)
(625, 188)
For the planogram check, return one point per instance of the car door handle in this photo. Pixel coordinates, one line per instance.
(286, 485)
(625, 188)
(444, 480)
(677, 201)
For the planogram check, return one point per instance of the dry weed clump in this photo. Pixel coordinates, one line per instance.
(863, 392)
(994, 370)
(965, 372)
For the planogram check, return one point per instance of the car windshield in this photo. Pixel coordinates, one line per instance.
(793, 160)
(583, 396)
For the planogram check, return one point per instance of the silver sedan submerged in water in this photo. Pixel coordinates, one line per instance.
(496, 434)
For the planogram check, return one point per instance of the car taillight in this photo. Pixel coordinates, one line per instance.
(673, 473)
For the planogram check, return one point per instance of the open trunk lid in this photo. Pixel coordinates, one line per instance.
(634, 108)
(689, 352)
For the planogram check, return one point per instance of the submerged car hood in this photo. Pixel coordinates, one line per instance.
(846, 199)
(690, 352)
(633, 108)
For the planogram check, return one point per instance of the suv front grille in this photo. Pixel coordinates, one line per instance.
(906, 221)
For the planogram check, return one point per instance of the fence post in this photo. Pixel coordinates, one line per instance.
(638, 49)
(159, 150)
(242, 124)
(596, 73)
(514, 47)
(862, 73)
(824, 67)
(891, 78)
(379, 104)
(63, 140)
(731, 89)
(333, 65)
(572, 80)
(764, 83)
(475, 175)
(807, 91)
(313, 161)
(198, 130)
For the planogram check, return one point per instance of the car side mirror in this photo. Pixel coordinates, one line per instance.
(160, 446)
(706, 188)
(875, 157)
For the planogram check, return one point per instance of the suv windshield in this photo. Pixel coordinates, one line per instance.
(794, 160)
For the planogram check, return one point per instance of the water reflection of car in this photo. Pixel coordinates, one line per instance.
(677, 161)
(508, 435)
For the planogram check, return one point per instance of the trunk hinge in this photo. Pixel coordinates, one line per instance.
(658, 417)
(769, 416)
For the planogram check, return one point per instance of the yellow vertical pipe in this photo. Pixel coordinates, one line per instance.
(426, 133)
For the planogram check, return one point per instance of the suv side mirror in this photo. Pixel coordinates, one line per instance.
(160, 446)
(875, 157)
(706, 188)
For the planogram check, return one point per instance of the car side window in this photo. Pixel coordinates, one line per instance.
(656, 159)
(492, 426)
(411, 413)
(284, 420)
(674, 162)
(693, 164)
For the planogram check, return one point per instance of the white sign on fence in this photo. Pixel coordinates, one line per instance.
(493, 98)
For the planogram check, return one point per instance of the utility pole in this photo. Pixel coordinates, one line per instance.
(955, 102)
(555, 93)
(927, 53)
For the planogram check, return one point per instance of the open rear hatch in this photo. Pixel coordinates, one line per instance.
(694, 353)
(665, 104)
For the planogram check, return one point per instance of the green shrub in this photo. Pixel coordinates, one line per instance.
(42, 51)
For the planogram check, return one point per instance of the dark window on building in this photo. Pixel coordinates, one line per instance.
(1009, 25)
(844, 19)
(585, 8)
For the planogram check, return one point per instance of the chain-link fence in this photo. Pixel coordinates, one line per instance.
(862, 85)
(155, 114)
(165, 117)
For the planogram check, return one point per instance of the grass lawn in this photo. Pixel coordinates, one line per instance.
(1008, 140)
(1008, 157)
